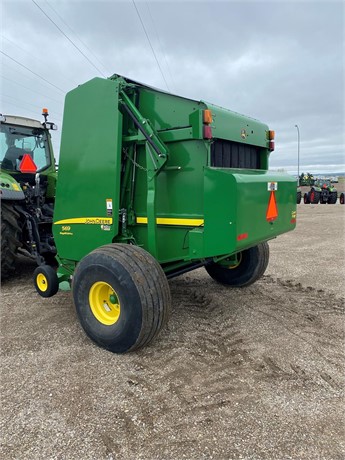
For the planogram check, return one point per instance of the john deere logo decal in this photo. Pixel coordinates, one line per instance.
(243, 133)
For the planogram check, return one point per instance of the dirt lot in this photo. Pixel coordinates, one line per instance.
(256, 373)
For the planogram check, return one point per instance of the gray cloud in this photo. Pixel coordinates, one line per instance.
(280, 62)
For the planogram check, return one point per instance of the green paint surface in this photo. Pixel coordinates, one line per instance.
(155, 164)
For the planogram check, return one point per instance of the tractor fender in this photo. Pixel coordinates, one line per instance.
(10, 189)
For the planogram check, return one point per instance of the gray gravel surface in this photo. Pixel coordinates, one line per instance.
(254, 373)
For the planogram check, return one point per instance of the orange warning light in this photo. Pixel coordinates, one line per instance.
(207, 116)
(44, 110)
(272, 209)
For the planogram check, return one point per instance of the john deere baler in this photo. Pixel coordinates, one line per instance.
(152, 185)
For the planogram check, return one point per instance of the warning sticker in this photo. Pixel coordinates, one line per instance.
(272, 186)
(272, 209)
(109, 204)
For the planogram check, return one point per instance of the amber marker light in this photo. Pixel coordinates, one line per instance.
(208, 116)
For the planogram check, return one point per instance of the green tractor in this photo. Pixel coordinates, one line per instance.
(152, 185)
(322, 192)
(27, 188)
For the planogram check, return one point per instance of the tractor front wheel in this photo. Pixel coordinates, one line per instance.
(314, 196)
(299, 197)
(122, 297)
(341, 198)
(306, 199)
(332, 199)
(251, 265)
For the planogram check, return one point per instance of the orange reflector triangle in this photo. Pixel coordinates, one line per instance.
(272, 210)
(27, 165)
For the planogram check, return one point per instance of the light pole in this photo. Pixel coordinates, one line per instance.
(298, 142)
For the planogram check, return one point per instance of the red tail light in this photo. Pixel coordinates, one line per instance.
(207, 132)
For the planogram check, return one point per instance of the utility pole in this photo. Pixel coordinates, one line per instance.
(298, 144)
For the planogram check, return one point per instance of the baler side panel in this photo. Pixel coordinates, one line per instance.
(166, 111)
(89, 170)
(236, 205)
(179, 199)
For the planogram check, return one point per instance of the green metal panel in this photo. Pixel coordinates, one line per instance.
(236, 127)
(179, 196)
(167, 111)
(236, 203)
(10, 189)
(89, 170)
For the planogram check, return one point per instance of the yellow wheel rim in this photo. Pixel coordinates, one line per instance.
(42, 282)
(104, 303)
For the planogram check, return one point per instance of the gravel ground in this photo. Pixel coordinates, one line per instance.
(254, 373)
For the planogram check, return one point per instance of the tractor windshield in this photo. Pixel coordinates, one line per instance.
(16, 141)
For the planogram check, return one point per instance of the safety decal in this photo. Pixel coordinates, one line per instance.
(272, 208)
(109, 205)
(86, 220)
(272, 186)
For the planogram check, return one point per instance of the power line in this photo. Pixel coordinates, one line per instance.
(73, 32)
(148, 39)
(26, 110)
(29, 53)
(26, 103)
(29, 89)
(71, 41)
(160, 43)
(34, 73)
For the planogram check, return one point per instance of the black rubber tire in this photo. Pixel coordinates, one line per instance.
(252, 266)
(306, 199)
(299, 197)
(332, 199)
(142, 290)
(314, 196)
(10, 238)
(51, 282)
(341, 198)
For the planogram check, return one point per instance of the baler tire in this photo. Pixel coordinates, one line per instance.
(314, 197)
(306, 199)
(46, 281)
(122, 297)
(10, 239)
(341, 198)
(332, 198)
(299, 197)
(253, 264)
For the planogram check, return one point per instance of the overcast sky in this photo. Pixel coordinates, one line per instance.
(280, 62)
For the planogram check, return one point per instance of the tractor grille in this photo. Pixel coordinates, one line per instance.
(228, 154)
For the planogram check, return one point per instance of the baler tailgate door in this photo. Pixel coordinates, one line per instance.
(244, 207)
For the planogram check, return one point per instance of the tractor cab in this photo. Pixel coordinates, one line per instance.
(24, 145)
(27, 190)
